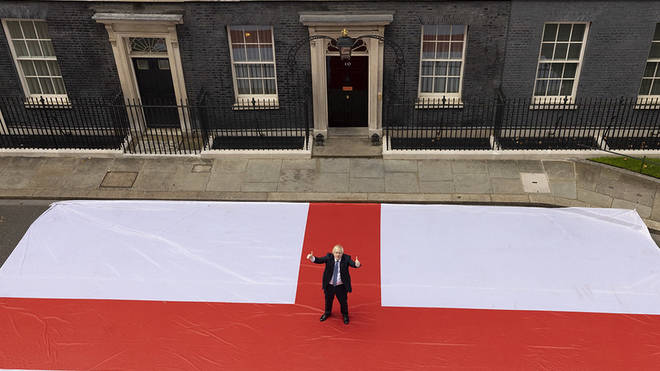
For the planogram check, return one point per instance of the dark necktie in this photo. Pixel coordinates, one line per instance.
(335, 275)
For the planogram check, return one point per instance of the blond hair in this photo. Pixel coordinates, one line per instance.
(338, 247)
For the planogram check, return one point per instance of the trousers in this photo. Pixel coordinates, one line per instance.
(342, 296)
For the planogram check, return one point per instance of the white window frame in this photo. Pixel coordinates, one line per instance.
(557, 100)
(49, 98)
(650, 99)
(451, 98)
(244, 101)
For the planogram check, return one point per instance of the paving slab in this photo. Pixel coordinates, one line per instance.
(259, 187)
(153, 181)
(263, 170)
(503, 169)
(472, 183)
(128, 164)
(434, 170)
(299, 164)
(593, 199)
(219, 181)
(635, 189)
(530, 166)
(400, 166)
(366, 185)
(506, 186)
(559, 169)
(401, 183)
(190, 181)
(333, 165)
(331, 183)
(441, 186)
(119, 179)
(587, 175)
(296, 180)
(469, 167)
(366, 168)
(563, 188)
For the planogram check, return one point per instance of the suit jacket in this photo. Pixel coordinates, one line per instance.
(344, 263)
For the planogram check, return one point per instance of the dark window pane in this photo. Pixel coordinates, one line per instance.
(556, 70)
(441, 68)
(550, 32)
(544, 70)
(20, 48)
(59, 85)
(28, 68)
(645, 88)
(578, 32)
(42, 68)
(655, 50)
(442, 51)
(243, 86)
(649, 71)
(266, 52)
(439, 86)
(250, 34)
(541, 85)
(252, 52)
(547, 50)
(257, 86)
(428, 50)
(564, 32)
(566, 87)
(33, 85)
(456, 51)
(241, 70)
(427, 85)
(14, 30)
(656, 35)
(34, 48)
(28, 30)
(452, 84)
(655, 88)
(236, 36)
(429, 32)
(238, 52)
(443, 32)
(560, 51)
(553, 87)
(255, 70)
(427, 68)
(570, 69)
(269, 86)
(458, 32)
(454, 69)
(269, 70)
(47, 85)
(47, 48)
(42, 30)
(264, 35)
(574, 51)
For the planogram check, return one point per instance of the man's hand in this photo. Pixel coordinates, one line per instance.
(357, 262)
(310, 255)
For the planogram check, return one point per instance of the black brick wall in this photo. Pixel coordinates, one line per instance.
(617, 44)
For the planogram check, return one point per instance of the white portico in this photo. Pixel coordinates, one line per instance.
(331, 24)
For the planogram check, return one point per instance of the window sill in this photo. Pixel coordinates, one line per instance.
(553, 103)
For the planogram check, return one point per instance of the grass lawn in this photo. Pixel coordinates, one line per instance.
(651, 166)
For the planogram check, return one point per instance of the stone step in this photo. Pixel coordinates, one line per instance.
(347, 146)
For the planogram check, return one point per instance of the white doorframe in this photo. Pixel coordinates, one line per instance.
(121, 27)
(331, 24)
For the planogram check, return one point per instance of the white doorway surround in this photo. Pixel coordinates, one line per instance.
(331, 24)
(122, 27)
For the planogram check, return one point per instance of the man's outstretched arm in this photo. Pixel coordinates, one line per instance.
(314, 259)
(354, 264)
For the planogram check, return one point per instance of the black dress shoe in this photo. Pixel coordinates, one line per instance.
(324, 317)
(346, 320)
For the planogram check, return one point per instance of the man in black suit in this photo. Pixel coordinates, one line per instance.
(336, 279)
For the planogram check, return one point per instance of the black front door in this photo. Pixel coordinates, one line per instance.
(347, 91)
(154, 80)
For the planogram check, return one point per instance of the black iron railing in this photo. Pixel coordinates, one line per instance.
(515, 124)
(154, 128)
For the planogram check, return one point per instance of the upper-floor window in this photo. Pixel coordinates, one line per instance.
(35, 58)
(560, 57)
(253, 63)
(442, 60)
(650, 87)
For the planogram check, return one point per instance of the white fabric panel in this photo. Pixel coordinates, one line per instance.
(488, 257)
(160, 250)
